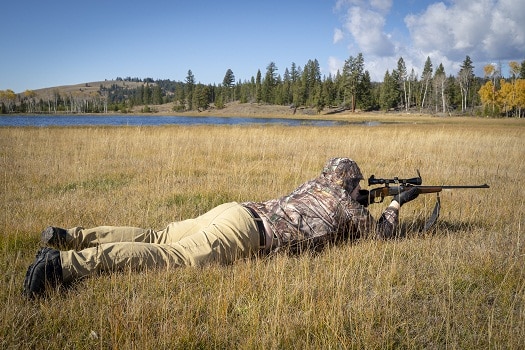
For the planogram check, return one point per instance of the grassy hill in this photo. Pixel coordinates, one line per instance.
(83, 88)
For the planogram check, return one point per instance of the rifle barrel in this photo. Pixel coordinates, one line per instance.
(461, 186)
(433, 189)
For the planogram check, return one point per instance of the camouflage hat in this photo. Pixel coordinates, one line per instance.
(342, 170)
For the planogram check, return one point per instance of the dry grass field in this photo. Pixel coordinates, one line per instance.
(462, 285)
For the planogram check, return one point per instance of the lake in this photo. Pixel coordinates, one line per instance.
(123, 120)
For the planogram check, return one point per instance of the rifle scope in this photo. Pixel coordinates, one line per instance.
(372, 180)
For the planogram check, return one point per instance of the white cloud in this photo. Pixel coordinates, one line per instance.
(446, 31)
(334, 65)
(382, 5)
(366, 27)
(338, 35)
(483, 29)
(507, 36)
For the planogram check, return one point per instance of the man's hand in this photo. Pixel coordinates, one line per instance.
(407, 196)
(363, 198)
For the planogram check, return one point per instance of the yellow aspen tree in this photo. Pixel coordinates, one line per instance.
(520, 96)
(515, 68)
(505, 97)
(8, 98)
(487, 94)
(489, 70)
(491, 73)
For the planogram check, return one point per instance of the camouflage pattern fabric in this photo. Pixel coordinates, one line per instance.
(321, 211)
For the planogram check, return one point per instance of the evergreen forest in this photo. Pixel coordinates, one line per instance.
(433, 91)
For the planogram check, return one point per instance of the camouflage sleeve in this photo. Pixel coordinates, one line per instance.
(387, 223)
(367, 226)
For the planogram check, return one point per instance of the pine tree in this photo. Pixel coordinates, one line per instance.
(311, 80)
(201, 97)
(139, 96)
(278, 92)
(190, 85)
(229, 79)
(269, 83)
(453, 92)
(389, 92)
(402, 75)
(329, 91)
(287, 87)
(366, 101)
(352, 75)
(146, 97)
(396, 89)
(294, 77)
(258, 87)
(440, 80)
(228, 82)
(157, 95)
(320, 100)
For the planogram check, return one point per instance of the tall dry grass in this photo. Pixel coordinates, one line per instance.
(460, 286)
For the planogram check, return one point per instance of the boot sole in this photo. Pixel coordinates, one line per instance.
(29, 282)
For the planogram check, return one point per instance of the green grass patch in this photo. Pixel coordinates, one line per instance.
(99, 184)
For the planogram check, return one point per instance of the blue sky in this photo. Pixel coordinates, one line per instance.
(57, 42)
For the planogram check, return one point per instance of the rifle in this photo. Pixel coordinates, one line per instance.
(378, 194)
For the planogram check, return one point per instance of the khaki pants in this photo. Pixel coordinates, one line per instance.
(222, 235)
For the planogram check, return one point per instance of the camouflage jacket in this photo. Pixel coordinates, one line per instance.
(321, 211)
